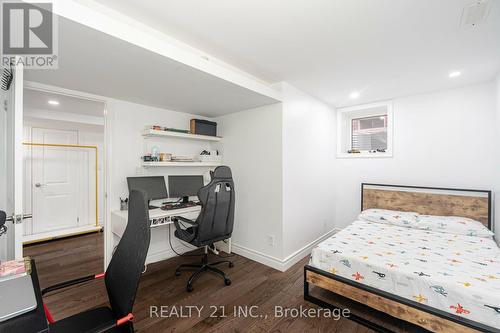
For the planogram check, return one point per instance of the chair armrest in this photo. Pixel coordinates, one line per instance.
(183, 219)
(72, 283)
(113, 324)
(186, 236)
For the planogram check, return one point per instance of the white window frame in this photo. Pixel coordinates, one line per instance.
(345, 116)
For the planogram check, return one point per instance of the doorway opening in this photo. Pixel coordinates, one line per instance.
(64, 182)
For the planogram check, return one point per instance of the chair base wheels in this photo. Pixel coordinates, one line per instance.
(203, 267)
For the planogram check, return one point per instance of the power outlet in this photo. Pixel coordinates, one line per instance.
(271, 240)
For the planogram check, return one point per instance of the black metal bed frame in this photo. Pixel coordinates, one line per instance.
(422, 307)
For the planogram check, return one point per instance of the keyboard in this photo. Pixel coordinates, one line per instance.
(179, 205)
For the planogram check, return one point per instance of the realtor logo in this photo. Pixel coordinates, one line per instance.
(28, 31)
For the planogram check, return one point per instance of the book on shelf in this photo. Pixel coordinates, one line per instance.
(14, 268)
(182, 159)
(167, 129)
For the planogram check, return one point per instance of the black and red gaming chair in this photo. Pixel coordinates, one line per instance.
(121, 278)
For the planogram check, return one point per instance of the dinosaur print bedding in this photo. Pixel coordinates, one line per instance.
(458, 274)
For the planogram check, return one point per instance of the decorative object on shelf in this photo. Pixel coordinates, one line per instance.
(210, 156)
(203, 127)
(149, 158)
(165, 157)
(162, 157)
(155, 153)
(353, 151)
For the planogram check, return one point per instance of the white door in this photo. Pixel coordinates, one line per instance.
(11, 167)
(56, 174)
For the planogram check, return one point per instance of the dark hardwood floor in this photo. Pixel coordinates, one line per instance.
(253, 284)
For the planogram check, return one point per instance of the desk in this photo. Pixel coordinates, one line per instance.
(29, 322)
(161, 225)
(157, 217)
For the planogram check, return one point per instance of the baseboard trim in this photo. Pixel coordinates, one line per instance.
(276, 263)
(257, 256)
(306, 250)
(52, 235)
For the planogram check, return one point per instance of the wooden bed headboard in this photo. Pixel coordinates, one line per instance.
(474, 204)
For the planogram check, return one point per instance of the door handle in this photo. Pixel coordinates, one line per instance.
(39, 185)
(18, 218)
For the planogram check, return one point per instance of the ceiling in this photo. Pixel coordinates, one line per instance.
(93, 62)
(39, 100)
(329, 48)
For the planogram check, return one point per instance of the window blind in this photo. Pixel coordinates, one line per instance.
(369, 133)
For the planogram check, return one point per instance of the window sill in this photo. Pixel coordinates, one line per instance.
(365, 155)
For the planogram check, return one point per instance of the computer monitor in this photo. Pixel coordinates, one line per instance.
(154, 186)
(184, 186)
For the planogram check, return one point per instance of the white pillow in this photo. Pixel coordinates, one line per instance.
(453, 225)
(393, 217)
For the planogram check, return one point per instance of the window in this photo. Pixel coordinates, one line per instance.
(365, 131)
(369, 133)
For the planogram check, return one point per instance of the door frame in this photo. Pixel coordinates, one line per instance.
(105, 154)
(18, 84)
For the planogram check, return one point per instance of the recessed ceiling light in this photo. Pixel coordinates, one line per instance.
(53, 102)
(354, 95)
(454, 74)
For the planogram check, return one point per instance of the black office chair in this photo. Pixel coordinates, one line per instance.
(215, 223)
(121, 278)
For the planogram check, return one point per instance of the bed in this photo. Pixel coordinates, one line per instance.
(441, 282)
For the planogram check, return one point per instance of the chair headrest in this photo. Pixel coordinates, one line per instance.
(222, 172)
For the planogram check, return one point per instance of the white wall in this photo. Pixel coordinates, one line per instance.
(308, 154)
(443, 139)
(252, 147)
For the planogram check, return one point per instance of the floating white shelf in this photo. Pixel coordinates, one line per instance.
(180, 164)
(157, 133)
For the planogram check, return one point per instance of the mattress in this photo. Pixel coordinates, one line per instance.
(457, 274)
